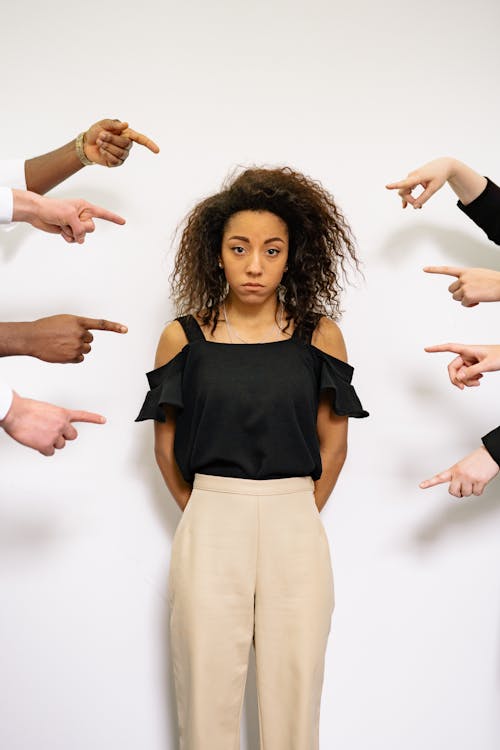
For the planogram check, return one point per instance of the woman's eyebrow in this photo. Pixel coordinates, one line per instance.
(245, 239)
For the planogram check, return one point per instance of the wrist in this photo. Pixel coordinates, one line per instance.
(465, 182)
(490, 451)
(26, 205)
(6, 399)
(452, 167)
(15, 339)
(9, 418)
(81, 150)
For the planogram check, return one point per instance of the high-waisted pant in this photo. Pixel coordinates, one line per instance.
(250, 562)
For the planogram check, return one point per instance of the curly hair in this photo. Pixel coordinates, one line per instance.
(321, 246)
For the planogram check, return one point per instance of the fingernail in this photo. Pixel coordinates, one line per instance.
(123, 329)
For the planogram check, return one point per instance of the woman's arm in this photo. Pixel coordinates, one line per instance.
(171, 342)
(332, 429)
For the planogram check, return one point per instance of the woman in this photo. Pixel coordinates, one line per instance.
(251, 396)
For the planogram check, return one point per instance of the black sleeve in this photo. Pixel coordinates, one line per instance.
(485, 211)
(491, 442)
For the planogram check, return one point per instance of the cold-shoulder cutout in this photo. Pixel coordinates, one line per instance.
(172, 340)
(327, 337)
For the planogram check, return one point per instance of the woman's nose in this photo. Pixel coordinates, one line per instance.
(254, 263)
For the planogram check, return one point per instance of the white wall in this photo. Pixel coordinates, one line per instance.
(355, 94)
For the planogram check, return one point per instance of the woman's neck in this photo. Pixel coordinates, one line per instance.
(251, 316)
(250, 324)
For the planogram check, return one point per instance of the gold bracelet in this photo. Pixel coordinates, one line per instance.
(80, 151)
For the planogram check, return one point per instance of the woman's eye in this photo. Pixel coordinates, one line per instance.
(273, 251)
(238, 250)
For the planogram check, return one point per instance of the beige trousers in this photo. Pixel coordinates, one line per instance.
(250, 563)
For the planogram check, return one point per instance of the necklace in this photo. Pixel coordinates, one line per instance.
(231, 331)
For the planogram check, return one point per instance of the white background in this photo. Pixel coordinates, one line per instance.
(355, 94)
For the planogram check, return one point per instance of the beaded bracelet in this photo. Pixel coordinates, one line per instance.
(80, 151)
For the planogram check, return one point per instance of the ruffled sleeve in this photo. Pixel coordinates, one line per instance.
(336, 377)
(165, 389)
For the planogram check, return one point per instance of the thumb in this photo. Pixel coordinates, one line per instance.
(473, 371)
(77, 227)
(430, 188)
(114, 125)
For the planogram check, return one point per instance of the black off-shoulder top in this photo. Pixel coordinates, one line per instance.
(248, 410)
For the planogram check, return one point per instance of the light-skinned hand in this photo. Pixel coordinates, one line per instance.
(473, 360)
(467, 477)
(72, 218)
(43, 426)
(472, 285)
(431, 176)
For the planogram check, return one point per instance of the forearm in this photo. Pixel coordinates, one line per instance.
(46, 171)
(176, 484)
(465, 182)
(332, 462)
(15, 339)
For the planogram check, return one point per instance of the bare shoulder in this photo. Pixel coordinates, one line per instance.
(328, 337)
(172, 341)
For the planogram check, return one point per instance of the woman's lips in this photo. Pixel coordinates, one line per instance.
(253, 286)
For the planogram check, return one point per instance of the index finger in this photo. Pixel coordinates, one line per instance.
(442, 478)
(97, 324)
(100, 213)
(141, 139)
(455, 348)
(85, 416)
(446, 270)
(408, 182)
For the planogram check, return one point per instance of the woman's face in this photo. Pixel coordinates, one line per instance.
(254, 254)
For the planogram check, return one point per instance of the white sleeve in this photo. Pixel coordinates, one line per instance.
(11, 176)
(12, 173)
(6, 205)
(6, 396)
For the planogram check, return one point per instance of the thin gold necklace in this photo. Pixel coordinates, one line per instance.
(231, 330)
